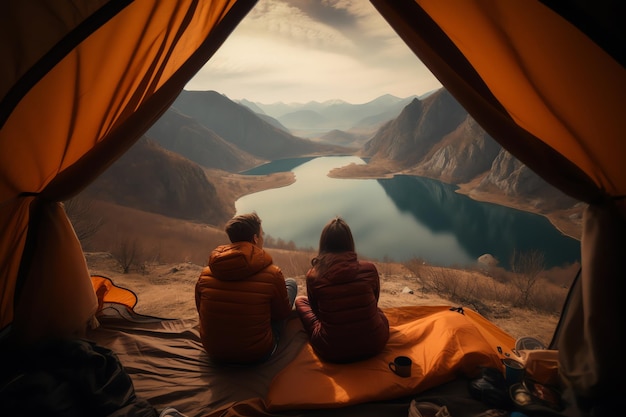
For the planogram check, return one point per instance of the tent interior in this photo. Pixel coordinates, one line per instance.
(83, 80)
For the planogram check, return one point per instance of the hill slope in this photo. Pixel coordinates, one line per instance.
(155, 180)
(184, 135)
(436, 138)
(241, 127)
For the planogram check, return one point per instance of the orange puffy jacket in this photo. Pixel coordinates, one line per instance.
(237, 296)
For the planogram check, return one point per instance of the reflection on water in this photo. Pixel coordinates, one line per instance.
(400, 218)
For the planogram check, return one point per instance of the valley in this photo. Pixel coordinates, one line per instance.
(169, 198)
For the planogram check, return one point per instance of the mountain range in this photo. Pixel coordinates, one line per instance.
(166, 172)
(314, 118)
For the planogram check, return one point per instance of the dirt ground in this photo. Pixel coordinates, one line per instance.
(167, 291)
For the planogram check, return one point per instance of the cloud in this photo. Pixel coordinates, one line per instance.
(303, 50)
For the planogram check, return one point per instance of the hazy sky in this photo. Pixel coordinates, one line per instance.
(304, 50)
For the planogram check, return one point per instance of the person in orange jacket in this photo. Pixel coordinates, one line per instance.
(242, 298)
(340, 312)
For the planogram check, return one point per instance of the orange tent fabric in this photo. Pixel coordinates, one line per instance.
(547, 80)
(81, 82)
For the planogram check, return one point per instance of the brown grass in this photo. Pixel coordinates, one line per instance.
(167, 289)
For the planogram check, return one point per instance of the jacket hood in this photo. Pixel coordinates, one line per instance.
(238, 261)
(342, 266)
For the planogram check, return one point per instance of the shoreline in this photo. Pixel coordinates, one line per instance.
(568, 221)
(560, 219)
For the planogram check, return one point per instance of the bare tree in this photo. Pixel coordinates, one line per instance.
(85, 222)
(126, 252)
(526, 266)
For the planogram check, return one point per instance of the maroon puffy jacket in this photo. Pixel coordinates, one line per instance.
(343, 321)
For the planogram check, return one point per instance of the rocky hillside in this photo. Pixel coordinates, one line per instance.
(512, 178)
(437, 138)
(152, 179)
(462, 154)
(421, 126)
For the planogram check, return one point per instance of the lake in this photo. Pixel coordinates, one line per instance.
(400, 218)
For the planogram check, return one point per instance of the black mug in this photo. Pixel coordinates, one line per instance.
(401, 366)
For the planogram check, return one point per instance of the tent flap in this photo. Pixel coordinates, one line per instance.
(84, 80)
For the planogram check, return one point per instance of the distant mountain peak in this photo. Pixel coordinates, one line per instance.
(334, 102)
(386, 98)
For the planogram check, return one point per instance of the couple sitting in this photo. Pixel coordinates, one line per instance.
(243, 299)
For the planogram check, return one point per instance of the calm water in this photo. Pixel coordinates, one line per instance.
(400, 218)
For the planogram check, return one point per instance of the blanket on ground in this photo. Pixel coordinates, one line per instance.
(443, 344)
(169, 368)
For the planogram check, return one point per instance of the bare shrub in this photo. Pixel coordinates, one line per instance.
(562, 276)
(271, 242)
(155, 257)
(84, 220)
(526, 268)
(550, 299)
(126, 252)
(470, 289)
(499, 274)
(416, 266)
(145, 268)
(495, 290)
(482, 290)
(440, 280)
(281, 244)
(386, 267)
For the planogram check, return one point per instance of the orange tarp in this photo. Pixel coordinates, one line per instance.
(442, 343)
(108, 292)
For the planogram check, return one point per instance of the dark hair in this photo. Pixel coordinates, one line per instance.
(243, 227)
(336, 237)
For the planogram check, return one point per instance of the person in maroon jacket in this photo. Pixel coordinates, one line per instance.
(242, 298)
(340, 312)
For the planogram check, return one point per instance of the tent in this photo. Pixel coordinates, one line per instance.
(83, 80)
